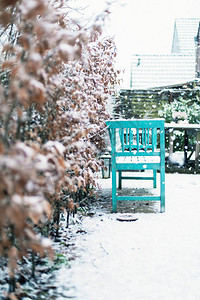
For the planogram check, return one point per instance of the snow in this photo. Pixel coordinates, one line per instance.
(155, 257)
(66, 49)
(35, 84)
(176, 158)
(46, 242)
(35, 57)
(138, 159)
(55, 147)
(28, 6)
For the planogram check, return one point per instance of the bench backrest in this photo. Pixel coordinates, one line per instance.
(137, 137)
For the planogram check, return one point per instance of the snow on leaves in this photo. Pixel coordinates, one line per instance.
(56, 77)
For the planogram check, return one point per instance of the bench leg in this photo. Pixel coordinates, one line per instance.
(154, 178)
(120, 180)
(114, 191)
(162, 189)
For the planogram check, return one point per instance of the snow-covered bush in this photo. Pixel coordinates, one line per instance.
(181, 111)
(56, 77)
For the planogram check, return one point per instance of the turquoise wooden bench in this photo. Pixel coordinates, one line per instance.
(137, 145)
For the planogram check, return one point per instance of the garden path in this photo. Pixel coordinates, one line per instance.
(155, 257)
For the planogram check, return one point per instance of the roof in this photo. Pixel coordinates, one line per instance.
(185, 33)
(149, 71)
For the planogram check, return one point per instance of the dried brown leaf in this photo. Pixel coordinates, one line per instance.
(5, 18)
(12, 296)
(70, 205)
(12, 262)
(8, 64)
(6, 3)
(1, 148)
(31, 9)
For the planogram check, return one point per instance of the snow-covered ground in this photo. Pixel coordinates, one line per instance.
(155, 257)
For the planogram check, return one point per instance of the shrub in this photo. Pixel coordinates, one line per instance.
(56, 77)
(181, 111)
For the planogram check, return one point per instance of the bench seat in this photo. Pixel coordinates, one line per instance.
(137, 159)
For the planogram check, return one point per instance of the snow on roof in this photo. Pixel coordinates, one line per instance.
(185, 32)
(149, 71)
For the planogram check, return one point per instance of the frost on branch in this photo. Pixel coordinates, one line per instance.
(23, 203)
(56, 78)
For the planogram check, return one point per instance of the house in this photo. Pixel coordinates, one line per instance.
(184, 37)
(149, 71)
(157, 79)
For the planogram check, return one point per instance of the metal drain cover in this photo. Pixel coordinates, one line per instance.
(127, 218)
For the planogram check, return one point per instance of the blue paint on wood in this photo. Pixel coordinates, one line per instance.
(137, 138)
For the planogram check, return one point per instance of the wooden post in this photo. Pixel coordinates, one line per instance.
(162, 170)
(171, 144)
(197, 150)
(113, 157)
(120, 179)
(154, 178)
(185, 148)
